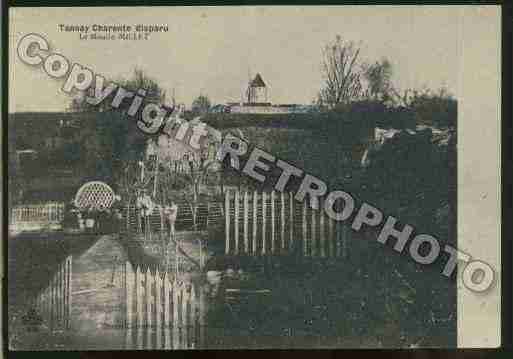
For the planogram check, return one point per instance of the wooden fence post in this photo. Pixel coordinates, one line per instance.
(48, 299)
(158, 307)
(193, 314)
(291, 221)
(43, 303)
(49, 305)
(57, 297)
(236, 235)
(166, 300)
(175, 303)
(138, 296)
(282, 221)
(52, 302)
(322, 238)
(129, 286)
(167, 309)
(129, 338)
(305, 240)
(148, 284)
(313, 239)
(180, 314)
(139, 337)
(185, 300)
(158, 298)
(246, 222)
(69, 296)
(273, 222)
(227, 220)
(61, 295)
(66, 292)
(202, 315)
(255, 221)
(264, 210)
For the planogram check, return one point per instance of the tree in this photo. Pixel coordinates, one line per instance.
(378, 77)
(109, 132)
(433, 108)
(139, 80)
(341, 73)
(198, 168)
(201, 105)
(438, 108)
(185, 170)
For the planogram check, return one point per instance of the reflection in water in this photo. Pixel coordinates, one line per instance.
(189, 337)
(163, 312)
(53, 302)
(280, 304)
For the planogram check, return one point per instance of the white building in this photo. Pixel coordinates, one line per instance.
(256, 101)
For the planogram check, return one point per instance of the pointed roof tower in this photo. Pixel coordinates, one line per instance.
(257, 81)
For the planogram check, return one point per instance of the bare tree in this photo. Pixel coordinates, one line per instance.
(341, 73)
(130, 184)
(186, 171)
(198, 167)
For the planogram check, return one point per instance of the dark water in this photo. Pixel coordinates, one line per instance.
(292, 305)
(241, 312)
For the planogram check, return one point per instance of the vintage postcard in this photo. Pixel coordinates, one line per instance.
(253, 177)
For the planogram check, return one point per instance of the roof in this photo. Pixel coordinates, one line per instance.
(257, 82)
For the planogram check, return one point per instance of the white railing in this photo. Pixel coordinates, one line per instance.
(36, 216)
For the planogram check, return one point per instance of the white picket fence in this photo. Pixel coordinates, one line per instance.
(275, 223)
(171, 314)
(54, 301)
(37, 216)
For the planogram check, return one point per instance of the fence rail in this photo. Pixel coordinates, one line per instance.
(208, 215)
(55, 300)
(174, 311)
(275, 223)
(40, 215)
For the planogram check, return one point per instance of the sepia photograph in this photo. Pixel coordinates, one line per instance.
(253, 177)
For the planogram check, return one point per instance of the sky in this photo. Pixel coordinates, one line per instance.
(214, 50)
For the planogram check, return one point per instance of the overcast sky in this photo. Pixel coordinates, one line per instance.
(212, 50)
